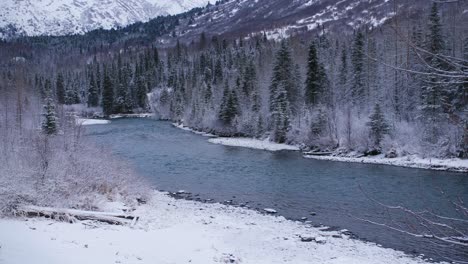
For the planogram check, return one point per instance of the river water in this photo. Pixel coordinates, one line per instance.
(339, 194)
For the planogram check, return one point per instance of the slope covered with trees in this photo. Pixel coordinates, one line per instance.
(399, 88)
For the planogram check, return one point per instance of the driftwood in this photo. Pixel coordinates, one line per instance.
(72, 215)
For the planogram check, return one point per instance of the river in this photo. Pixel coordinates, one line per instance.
(337, 194)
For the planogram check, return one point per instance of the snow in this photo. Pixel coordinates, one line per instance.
(142, 115)
(265, 144)
(185, 128)
(180, 231)
(270, 211)
(411, 161)
(89, 122)
(47, 17)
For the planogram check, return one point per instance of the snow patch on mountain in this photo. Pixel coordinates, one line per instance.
(50, 17)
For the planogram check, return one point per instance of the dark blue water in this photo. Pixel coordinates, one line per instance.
(339, 193)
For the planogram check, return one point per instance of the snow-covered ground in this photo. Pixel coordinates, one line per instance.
(142, 115)
(179, 231)
(265, 144)
(412, 161)
(181, 126)
(88, 122)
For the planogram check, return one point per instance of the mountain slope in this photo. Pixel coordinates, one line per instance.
(50, 17)
(282, 18)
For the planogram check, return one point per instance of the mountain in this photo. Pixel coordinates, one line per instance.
(52, 17)
(283, 18)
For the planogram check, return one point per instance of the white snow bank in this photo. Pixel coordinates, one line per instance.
(143, 115)
(179, 231)
(89, 122)
(252, 143)
(412, 161)
(181, 126)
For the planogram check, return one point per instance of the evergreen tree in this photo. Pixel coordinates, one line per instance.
(123, 103)
(378, 126)
(283, 93)
(357, 60)
(93, 96)
(284, 79)
(141, 92)
(343, 74)
(49, 122)
(249, 79)
(316, 77)
(47, 88)
(280, 115)
(313, 81)
(433, 94)
(229, 106)
(208, 93)
(218, 73)
(107, 95)
(60, 89)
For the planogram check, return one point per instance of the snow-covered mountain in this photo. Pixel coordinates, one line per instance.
(62, 17)
(281, 18)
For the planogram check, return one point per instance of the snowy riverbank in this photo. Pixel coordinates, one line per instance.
(141, 115)
(265, 144)
(180, 231)
(412, 161)
(90, 122)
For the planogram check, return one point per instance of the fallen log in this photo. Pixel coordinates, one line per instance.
(72, 215)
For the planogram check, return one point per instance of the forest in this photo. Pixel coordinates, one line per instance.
(397, 89)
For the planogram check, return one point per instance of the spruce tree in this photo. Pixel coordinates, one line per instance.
(316, 77)
(249, 79)
(280, 115)
(283, 92)
(313, 81)
(229, 106)
(60, 89)
(433, 94)
(93, 96)
(357, 60)
(49, 122)
(218, 72)
(223, 114)
(284, 79)
(107, 95)
(378, 126)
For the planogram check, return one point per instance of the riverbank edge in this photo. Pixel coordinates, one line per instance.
(165, 218)
(409, 161)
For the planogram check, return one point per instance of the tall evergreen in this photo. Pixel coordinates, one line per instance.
(249, 79)
(60, 89)
(283, 79)
(283, 93)
(141, 89)
(49, 122)
(317, 80)
(378, 126)
(229, 106)
(107, 94)
(93, 96)
(218, 72)
(358, 77)
(433, 94)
